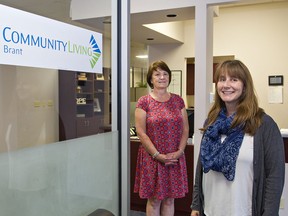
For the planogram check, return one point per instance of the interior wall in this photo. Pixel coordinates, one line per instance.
(256, 35)
(28, 107)
(106, 52)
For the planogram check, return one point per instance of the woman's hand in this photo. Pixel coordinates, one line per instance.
(195, 213)
(168, 159)
(175, 155)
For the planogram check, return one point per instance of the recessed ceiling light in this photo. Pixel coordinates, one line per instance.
(171, 15)
(142, 56)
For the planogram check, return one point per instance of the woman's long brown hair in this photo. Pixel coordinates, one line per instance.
(247, 111)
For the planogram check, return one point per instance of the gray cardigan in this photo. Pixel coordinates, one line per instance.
(268, 168)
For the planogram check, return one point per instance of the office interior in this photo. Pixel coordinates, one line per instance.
(38, 167)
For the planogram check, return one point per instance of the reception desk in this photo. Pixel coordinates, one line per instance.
(182, 206)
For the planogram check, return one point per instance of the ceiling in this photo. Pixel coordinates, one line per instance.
(140, 33)
(60, 10)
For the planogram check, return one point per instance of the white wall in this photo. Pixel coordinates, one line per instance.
(256, 35)
(106, 52)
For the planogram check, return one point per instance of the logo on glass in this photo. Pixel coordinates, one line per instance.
(96, 53)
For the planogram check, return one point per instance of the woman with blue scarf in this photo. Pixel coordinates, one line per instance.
(241, 165)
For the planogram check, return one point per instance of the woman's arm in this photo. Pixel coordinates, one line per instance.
(274, 165)
(140, 124)
(196, 205)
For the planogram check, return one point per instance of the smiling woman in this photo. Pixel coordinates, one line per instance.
(162, 127)
(230, 89)
(236, 151)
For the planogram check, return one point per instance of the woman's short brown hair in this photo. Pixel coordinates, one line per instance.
(153, 67)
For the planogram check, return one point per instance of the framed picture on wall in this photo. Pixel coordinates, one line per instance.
(176, 82)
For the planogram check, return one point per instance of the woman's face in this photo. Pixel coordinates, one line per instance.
(230, 89)
(160, 79)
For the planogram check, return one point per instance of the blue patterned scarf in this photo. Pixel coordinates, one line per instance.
(221, 156)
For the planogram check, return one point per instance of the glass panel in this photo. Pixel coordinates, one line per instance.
(138, 85)
(62, 178)
(58, 155)
(140, 77)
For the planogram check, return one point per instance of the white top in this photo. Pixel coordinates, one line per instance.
(231, 198)
(284, 132)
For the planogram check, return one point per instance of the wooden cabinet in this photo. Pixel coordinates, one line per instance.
(87, 126)
(84, 103)
(182, 206)
(190, 79)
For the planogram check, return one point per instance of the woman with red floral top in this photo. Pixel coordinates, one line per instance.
(162, 127)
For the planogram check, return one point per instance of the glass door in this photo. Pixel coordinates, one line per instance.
(59, 137)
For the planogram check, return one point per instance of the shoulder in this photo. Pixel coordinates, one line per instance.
(143, 98)
(178, 99)
(268, 121)
(173, 95)
(143, 102)
(267, 117)
(268, 128)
